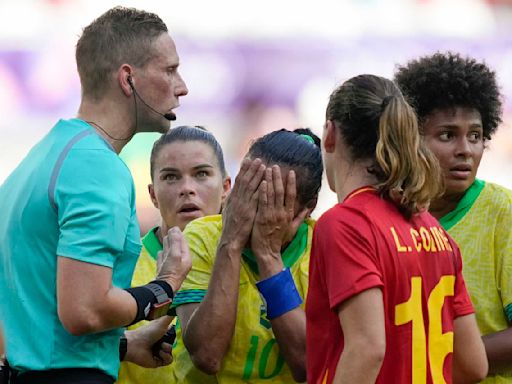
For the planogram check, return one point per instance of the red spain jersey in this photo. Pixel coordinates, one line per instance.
(363, 243)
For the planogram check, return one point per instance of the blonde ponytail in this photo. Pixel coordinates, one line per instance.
(411, 173)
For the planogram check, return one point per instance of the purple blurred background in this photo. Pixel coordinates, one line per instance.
(250, 68)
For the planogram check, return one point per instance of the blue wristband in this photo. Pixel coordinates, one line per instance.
(280, 294)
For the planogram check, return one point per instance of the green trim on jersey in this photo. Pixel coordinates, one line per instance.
(464, 205)
(508, 312)
(188, 296)
(152, 243)
(290, 255)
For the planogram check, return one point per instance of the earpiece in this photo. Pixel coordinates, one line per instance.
(129, 79)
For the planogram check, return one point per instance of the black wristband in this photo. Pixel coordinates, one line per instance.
(146, 296)
(123, 347)
(165, 286)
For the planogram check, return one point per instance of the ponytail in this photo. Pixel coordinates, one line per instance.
(377, 124)
(412, 175)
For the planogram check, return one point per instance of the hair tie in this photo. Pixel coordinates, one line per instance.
(385, 102)
(308, 138)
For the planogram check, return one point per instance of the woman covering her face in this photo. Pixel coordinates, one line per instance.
(241, 309)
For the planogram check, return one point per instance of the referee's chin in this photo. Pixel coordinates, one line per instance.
(165, 126)
(162, 126)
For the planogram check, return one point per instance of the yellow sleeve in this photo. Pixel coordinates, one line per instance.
(202, 236)
(300, 271)
(503, 246)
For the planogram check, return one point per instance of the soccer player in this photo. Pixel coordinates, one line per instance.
(69, 234)
(189, 180)
(458, 102)
(387, 301)
(240, 310)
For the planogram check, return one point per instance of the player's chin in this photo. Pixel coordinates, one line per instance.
(185, 218)
(457, 187)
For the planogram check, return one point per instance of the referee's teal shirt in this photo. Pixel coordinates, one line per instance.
(71, 196)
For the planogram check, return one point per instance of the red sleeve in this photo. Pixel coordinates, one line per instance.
(348, 254)
(461, 302)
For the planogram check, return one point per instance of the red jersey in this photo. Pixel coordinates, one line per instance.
(365, 242)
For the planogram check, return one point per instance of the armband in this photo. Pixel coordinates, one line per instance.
(280, 294)
(153, 300)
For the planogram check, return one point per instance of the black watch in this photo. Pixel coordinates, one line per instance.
(123, 347)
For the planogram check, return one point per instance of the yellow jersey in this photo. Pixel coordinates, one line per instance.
(145, 271)
(481, 224)
(253, 355)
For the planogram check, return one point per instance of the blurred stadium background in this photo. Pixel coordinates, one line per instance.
(251, 67)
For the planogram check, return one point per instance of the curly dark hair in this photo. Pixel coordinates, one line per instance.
(447, 80)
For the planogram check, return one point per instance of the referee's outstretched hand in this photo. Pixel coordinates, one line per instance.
(174, 261)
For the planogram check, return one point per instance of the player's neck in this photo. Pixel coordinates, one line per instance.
(109, 121)
(444, 205)
(161, 232)
(351, 177)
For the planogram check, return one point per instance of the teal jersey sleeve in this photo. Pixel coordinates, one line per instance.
(94, 202)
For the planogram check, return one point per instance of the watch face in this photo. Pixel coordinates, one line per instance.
(159, 310)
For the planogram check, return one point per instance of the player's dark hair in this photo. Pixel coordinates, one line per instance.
(186, 133)
(298, 150)
(448, 80)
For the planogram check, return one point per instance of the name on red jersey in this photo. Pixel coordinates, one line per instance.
(431, 239)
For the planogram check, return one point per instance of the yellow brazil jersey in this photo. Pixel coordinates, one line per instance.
(145, 271)
(481, 225)
(253, 355)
